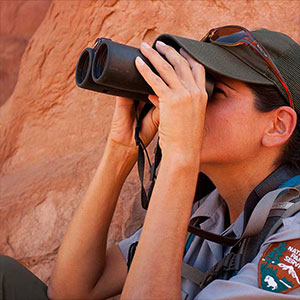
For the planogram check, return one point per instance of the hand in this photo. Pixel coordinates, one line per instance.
(124, 123)
(181, 97)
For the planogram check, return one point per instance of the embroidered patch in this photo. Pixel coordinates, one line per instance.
(279, 267)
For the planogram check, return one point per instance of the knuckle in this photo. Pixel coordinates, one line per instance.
(196, 92)
(184, 95)
(173, 56)
(204, 94)
(197, 66)
(166, 67)
(176, 60)
(182, 62)
(156, 80)
(200, 66)
(185, 63)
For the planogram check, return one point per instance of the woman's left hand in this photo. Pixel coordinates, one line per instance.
(181, 98)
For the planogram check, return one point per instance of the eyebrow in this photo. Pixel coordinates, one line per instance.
(225, 83)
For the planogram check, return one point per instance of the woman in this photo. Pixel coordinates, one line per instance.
(234, 138)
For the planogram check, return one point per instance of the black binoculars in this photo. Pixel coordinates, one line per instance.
(109, 68)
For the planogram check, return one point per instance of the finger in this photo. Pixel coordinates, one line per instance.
(154, 100)
(155, 117)
(124, 104)
(124, 101)
(180, 64)
(164, 69)
(129, 105)
(158, 85)
(124, 107)
(150, 125)
(197, 69)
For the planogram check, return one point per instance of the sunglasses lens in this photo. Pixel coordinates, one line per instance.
(228, 35)
(236, 35)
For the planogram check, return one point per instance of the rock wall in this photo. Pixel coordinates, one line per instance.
(18, 21)
(52, 134)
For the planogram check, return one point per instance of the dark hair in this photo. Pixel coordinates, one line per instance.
(268, 98)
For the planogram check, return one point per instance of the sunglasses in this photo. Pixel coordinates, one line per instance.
(233, 35)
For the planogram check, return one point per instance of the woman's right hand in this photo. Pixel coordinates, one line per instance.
(124, 123)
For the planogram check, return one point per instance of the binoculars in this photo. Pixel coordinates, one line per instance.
(109, 68)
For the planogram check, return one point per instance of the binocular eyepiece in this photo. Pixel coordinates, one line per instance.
(109, 68)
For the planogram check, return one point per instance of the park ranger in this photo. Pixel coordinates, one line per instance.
(245, 139)
(241, 240)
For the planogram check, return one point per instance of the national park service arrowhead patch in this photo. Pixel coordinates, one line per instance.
(279, 267)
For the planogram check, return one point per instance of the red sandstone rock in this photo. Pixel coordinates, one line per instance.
(52, 134)
(18, 21)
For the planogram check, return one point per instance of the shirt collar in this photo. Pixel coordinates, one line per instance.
(235, 228)
(207, 206)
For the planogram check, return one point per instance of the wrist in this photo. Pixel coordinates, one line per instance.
(185, 158)
(183, 167)
(115, 149)
(119, 158)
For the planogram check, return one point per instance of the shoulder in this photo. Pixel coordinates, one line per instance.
(277, 265)
(289, 230)
(273, 274)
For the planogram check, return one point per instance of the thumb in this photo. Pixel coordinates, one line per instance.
(155, 117)
(150, 125)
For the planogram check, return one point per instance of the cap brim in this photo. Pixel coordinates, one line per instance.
(216, 59)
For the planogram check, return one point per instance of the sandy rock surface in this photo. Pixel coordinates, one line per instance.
(52, 134)
(19, 19)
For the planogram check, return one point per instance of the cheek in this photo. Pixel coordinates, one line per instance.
(218, 124)
(230, 136)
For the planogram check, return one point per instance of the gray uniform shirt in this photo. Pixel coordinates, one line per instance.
(204, 255)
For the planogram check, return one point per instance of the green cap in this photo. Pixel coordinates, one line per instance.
(242, 63)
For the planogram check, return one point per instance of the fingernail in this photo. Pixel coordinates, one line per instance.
(161, 43)
(139, 61)
(182, 51)
(145, 45)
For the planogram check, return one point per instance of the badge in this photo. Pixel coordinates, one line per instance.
(279, 267)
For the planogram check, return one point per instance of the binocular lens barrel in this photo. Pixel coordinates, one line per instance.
(83, 66)
(114, 65)
(101, 60)
(110, 68)
(85, 80)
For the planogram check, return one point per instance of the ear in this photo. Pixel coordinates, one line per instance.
(280, 127)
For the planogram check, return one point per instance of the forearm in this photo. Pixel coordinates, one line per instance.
(155, 272)
(156, 268)
(81, 257)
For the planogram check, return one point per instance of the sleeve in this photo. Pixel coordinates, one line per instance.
(124, 245)
(281, 254)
